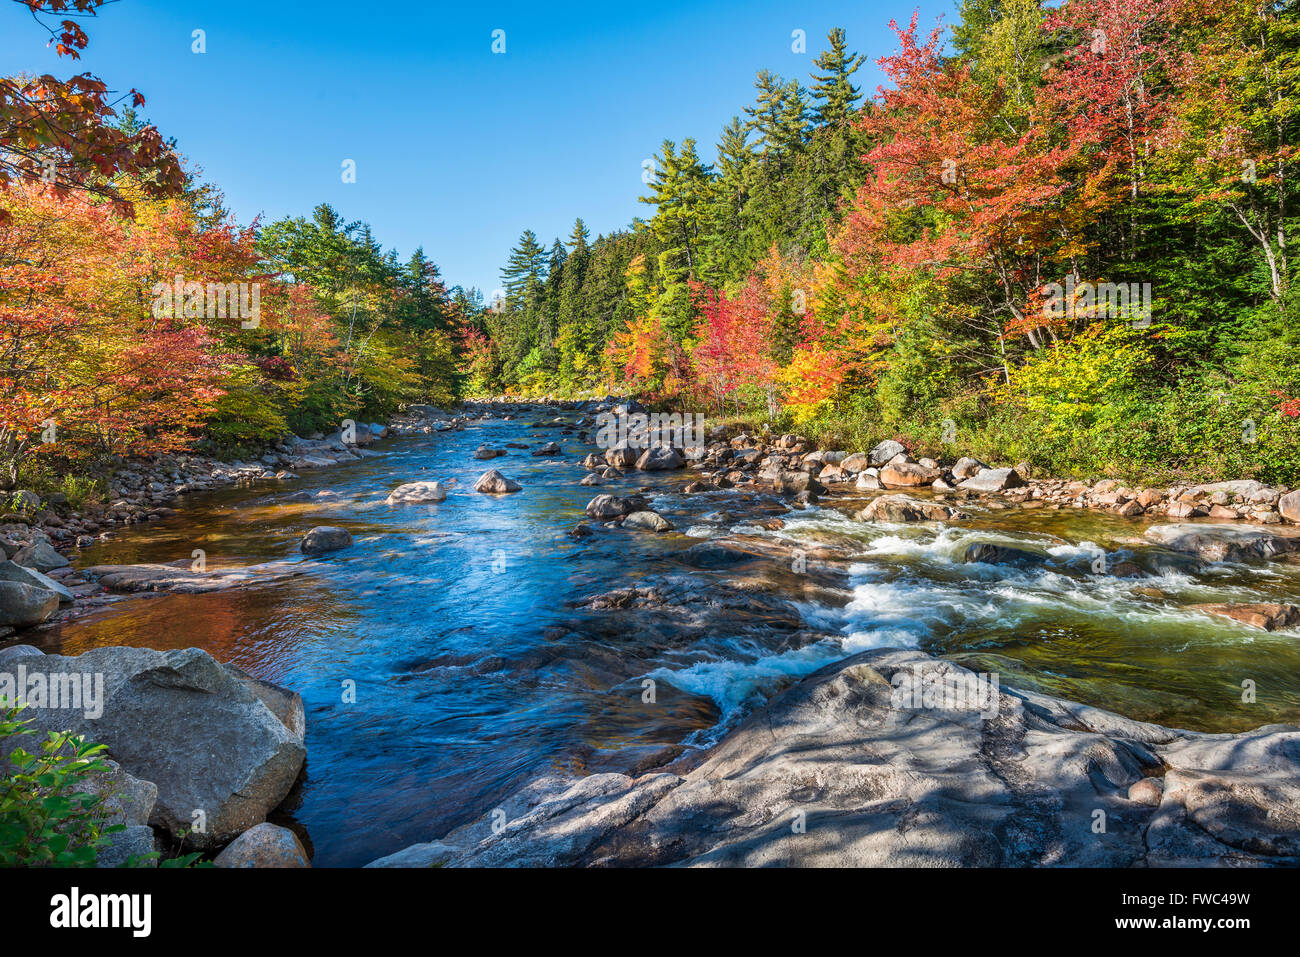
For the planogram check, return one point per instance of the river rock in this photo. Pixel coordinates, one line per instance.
(22, 606)
(1269, 617)
(414, 493)
(186, 723)
(325, 538)
(549, 449)
(885, 451)
(880, 777)
(907, 475)
(265, 845)
(660, 458)
(606, 507)
(41, 556)
(620, 456)
(991, 553)
(967, 467)
(493, 482)
(650, 521)
(13, 572)
(1289, 506)
(483, 452)
(992, 480)
(591, 478)
(900, 508)
(1223, 543)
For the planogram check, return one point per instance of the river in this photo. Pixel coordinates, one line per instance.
(443, 661)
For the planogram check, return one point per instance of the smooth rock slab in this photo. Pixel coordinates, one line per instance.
(879, 776)
(1223, 543)
(992, 480)
(900, 508)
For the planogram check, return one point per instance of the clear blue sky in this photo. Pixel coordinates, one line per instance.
(457, 149)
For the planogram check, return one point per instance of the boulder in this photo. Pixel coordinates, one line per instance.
(967, 467)
(13, 572)
(907, 475)
(660, 458)
(186, 723)
(620, 456)
(1289, 506)
(264, 845)
(992, 480)
(493, 482)
(650, 521)
(325, 538)
(415, 493)
(606, 507)
(41, 556)
(483, 452)
(868, 481)
(885, 451)
(855, 462)
(22, 606)
(591, 478)
(1223, 543)
(991, 553)
(899, 508)
(549, 449)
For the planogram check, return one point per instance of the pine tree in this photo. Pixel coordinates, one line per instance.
(524, 270)
(837, 96)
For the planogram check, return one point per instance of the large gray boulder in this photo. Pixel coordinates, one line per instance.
(22, 606)
(196, 729)
(13, 572)
(660, 458)
(896, 759)
(885, 451)
(41, 556)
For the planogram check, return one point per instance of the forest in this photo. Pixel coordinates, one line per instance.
(1057, 234)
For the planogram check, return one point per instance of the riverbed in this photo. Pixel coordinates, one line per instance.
(448, 656)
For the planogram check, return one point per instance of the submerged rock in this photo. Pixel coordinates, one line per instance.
(1269, 617)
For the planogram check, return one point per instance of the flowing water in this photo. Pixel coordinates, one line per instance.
(475, 669)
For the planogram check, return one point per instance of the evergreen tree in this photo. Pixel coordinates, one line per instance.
(836, 95)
